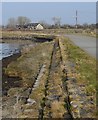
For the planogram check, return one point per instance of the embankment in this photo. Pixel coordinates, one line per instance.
(6, 81)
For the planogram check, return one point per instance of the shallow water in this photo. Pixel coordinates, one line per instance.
(8, 49)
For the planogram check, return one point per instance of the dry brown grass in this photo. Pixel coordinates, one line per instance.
(57, 109)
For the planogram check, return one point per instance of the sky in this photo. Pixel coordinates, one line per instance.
(39, 11)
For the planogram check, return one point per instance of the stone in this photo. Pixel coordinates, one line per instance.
(54, 97)
(30, 101)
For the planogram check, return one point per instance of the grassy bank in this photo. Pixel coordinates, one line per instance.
(47, 64)
(84, 64)
(29, 63)
(27, 68)
(82, 69)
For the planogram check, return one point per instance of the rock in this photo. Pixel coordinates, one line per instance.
(29, 110)
(36, 85)
(54, 97)
(30, 101)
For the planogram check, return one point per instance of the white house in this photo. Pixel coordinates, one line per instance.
(36, 26)
(39, 27)
(31, 26)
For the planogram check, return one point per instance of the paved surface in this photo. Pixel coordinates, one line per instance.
(88, 44)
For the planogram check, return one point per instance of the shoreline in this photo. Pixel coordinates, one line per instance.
(7, 60)
(5, 78)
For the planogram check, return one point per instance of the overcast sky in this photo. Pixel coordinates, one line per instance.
(46, 11)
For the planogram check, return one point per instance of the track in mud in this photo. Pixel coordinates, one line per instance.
(51, 94)
(56, 102)
(56, 97)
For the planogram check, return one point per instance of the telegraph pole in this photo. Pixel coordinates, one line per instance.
(76, 18)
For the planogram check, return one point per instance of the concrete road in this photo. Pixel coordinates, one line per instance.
(86, 43)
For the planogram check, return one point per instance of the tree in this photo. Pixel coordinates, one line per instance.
(43, 23)
(21, 20)
(85, 25)
(11, 23)
(57, 21)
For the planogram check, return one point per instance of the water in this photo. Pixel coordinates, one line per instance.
(8, 50)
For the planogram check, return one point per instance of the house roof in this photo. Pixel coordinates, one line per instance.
(32, 24)
(29, 24)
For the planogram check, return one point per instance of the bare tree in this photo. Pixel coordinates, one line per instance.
(21, 20)
(11, 23)
(57, 21)
(44, 23)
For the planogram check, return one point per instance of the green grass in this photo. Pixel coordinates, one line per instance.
(84, 68)
(84, 64)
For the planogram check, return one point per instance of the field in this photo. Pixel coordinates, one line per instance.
(52, 79)
(50, 32)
